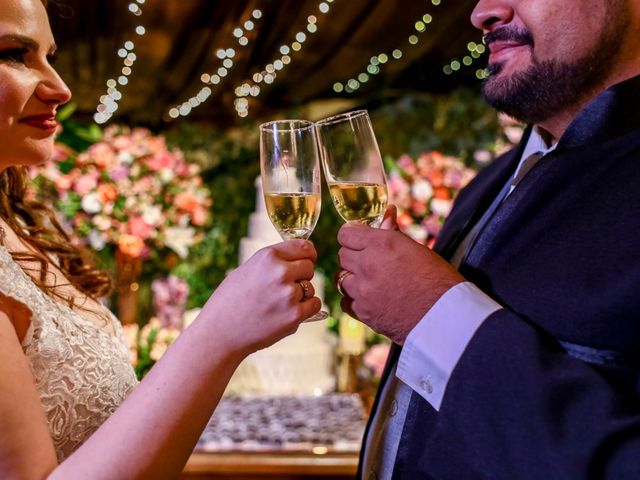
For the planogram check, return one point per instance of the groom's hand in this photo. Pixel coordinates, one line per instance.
(393, 280)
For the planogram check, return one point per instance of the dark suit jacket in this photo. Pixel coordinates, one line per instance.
(548, 386)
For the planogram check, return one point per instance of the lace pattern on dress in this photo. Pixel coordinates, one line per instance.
(82, 372)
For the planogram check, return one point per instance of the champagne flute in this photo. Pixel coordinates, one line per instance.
(290, 172)
(353, 167)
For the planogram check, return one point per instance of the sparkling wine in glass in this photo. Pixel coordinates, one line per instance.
(353, 167)
(290, 173)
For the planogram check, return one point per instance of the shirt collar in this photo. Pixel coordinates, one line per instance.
(537, 144)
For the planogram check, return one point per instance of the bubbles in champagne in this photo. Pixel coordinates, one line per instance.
(293, 214)
(360, 202)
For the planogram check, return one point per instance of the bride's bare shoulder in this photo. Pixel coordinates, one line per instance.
(16, 313)
(24, 434)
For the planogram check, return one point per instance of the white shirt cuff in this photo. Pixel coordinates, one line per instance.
(435, 345)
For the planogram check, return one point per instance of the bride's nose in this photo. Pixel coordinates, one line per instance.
(52, 88)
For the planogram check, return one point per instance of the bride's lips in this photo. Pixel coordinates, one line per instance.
(46, 122)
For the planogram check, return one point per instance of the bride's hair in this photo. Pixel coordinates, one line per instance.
(36, 224)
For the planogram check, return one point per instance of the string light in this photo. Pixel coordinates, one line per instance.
(226, 57)
(109, 101)
(377, 62)
(270, 71)
(108, 104)
(474, 52)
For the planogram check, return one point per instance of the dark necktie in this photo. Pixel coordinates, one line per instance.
(467, 245)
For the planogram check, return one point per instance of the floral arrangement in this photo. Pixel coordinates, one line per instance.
(129, 191)
(510, 133)
(149, 343)
(375, 359)
(424, 190)
(170, 300)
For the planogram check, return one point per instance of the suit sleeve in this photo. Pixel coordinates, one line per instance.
(516, 402)
(436, 343)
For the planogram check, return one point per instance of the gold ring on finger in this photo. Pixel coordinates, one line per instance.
(341, 276)
(306, 289)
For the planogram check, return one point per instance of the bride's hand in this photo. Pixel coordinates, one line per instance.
(262, 300)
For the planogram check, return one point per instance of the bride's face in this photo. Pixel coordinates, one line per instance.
(30, 89)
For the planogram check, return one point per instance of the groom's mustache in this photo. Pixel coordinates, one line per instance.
(509, 34)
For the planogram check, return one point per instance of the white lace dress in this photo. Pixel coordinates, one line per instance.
(82, 371)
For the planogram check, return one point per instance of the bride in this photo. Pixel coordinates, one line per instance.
(70, 406)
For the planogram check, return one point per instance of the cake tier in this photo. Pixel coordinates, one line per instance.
(304, 370)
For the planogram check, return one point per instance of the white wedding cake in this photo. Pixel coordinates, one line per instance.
(299, 364)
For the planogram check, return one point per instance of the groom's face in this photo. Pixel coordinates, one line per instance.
(545, 55)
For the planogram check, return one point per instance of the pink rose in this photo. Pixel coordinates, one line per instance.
(406, 163)
(138, 227)
(433, 225)
(119, 172)
(131, 245)
(122, 142)
(418, 208)
(107, 193)
(161, 160)
(85, 183)
(404, 219)
(376, 358)
(101, 154)
(63, 183)
(199, 216)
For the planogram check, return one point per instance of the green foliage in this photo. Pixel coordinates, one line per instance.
(145, 362)
(77, 135)
(230, 166)
(456, 124)
(208, 263)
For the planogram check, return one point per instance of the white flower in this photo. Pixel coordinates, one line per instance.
(441, 207)
(102, 222)
(151, 214)
(179, 239)
(130, 202)
(166, 175)
(422, 190)
(189, 316)
(482, 156)
(157, 350)
(97, 240)
(91, 203)
(125, 157)
(108, 209)
(417, 232)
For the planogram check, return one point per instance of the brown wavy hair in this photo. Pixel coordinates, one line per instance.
(36, 224)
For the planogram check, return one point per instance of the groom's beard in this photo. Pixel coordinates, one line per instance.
(549, 87)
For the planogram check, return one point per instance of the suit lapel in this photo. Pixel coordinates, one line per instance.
(474, 200)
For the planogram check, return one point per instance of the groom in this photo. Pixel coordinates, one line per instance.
(517, 344)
